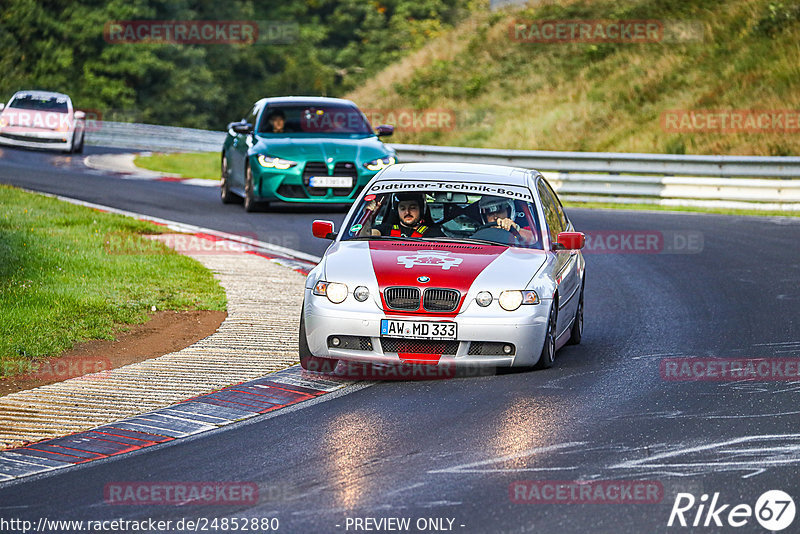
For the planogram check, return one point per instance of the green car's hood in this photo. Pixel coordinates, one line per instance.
(302, 149)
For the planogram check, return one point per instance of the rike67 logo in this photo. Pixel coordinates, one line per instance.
(774, 510)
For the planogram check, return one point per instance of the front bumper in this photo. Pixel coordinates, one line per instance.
(523, 328)
(289, 185)
(46, 139)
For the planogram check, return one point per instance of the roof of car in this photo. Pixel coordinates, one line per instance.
(307, 100)
(458, 172)
(38, 93)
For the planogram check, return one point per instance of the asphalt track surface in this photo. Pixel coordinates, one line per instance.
(450, 449)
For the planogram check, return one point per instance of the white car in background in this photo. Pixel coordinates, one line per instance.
(42, 119)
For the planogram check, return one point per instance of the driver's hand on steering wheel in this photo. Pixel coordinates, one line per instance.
(506, 224)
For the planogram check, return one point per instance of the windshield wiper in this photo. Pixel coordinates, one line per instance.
(468, 240)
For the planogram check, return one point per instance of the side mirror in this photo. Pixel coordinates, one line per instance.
(323, 229)
(80, 115)
(242, 127)
(570, 241)
(384, 130)
(2, 107)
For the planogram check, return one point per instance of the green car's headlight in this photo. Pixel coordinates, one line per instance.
(380, 163)
(269, 162)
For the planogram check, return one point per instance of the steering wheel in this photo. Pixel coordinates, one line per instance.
(492, 232)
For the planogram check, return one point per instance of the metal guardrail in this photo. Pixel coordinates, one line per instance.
(750, 182)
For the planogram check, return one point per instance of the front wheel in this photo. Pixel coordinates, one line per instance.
(250, 202)
(224, 187)
(576, 333)
(548, 355)
(307, 360)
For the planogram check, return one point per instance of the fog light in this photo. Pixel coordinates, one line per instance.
(508, 349)
(361, 293)
(484, 298)
(335, 341)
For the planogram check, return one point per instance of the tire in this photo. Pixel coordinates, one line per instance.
(307, 360)
(576, 333)
(548, 355)
(224, 187)
(250, 202)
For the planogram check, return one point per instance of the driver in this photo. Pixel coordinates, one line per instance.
(277, 120)
(408, 218)
(499, 211)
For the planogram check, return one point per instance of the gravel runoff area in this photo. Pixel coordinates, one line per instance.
(258, 337)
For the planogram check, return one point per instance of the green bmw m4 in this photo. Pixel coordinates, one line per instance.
(301, 149)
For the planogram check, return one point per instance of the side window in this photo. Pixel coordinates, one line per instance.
(561, 213)
(553, 213)
(251, 116)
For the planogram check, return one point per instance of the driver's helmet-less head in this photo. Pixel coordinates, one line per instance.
(502, 207)
(419, 198)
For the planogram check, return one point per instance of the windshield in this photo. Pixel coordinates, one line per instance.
(442, 215)
(324, 119)
(57, 104)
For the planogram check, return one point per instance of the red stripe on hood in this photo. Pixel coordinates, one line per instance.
(452, 266)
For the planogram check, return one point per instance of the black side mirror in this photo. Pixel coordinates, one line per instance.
(241, 127)
(384, 130)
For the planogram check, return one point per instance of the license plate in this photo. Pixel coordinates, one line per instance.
(330, 181)
(418, 329)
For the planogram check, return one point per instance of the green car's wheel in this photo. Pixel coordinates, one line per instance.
(224, 187)
(250, 204)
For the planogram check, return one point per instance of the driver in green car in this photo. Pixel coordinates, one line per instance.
(277, 121)
(498, 211)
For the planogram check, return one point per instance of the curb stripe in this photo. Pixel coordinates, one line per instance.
(192, 416)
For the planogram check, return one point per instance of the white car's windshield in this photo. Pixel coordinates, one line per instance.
(445, 215)
(56, 104)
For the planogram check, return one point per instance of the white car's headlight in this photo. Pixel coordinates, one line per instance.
(335, 291)
(380, 163)
(511, 300)
(269, 162)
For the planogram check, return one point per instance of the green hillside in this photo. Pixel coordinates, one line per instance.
(713, 55)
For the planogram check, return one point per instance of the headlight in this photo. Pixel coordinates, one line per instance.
(361, 293)
(484, 298)
(511, 300)
(335, 291)
(380, 163)
(269, 162)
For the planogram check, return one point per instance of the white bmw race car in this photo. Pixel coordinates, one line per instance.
(42, 119)
(446, 264)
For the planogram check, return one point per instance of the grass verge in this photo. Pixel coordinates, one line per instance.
(203, 165)
(65, 279)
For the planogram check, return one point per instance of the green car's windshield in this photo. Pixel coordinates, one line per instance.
(314, 120)
(445, 216)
